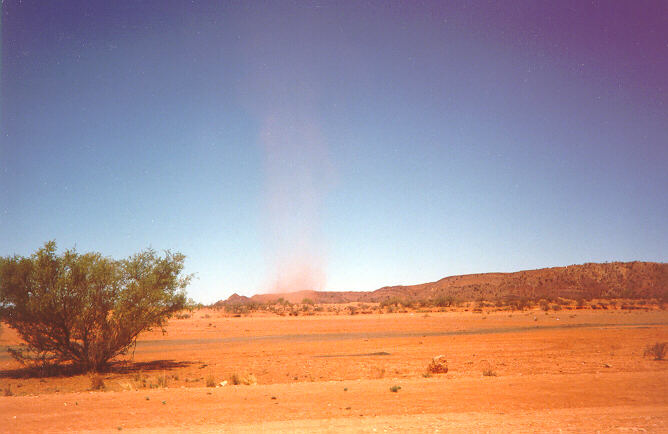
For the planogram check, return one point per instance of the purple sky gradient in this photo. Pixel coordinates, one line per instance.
(359, 144)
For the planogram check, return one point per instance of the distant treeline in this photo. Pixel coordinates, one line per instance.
(397, 305)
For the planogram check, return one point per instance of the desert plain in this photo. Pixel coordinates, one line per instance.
(508, 371)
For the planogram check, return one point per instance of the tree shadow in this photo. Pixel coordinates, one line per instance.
(119, 367)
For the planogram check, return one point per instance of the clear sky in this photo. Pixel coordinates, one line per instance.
(336, 145)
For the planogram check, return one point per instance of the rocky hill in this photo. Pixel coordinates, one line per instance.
(592, 280)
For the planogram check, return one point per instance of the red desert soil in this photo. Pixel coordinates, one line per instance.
(568, 371)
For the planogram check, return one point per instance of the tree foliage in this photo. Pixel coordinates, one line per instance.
(86, 309)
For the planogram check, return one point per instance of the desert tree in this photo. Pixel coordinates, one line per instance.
(86, 309)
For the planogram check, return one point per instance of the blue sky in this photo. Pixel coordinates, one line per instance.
(336, 145)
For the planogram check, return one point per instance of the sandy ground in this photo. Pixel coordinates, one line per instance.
(569, 371)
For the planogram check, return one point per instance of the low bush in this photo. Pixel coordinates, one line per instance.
(657, 351)
(444, 301)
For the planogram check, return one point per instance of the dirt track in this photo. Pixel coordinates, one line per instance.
(577, 373)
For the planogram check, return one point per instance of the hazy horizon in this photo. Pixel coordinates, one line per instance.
(336, 146)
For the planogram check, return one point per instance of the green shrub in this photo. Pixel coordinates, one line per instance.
(86, 309)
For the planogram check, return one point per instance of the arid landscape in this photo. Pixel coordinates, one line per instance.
(559, 365)
(333, 216)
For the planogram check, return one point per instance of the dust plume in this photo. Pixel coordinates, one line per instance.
(296, 180)
(281, 89)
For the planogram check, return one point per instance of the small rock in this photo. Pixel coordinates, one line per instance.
(438, 365)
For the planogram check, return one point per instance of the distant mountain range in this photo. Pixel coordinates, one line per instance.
(591, 280)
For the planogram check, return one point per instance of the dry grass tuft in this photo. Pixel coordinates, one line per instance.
(235, 379)
(249, 380)
(97, 382)
(162, 381)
